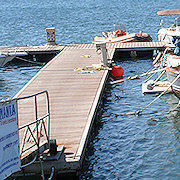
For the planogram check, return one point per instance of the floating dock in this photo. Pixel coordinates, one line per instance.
(74, 98)
(46, 52)
(121, 48)
(42, 53)
(33, 50)
(39, 53)
(136, 49)
(71, 104)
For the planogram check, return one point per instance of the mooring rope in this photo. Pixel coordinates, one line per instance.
(42, 169)
(178, 105)
(150, 72)
(138, 76)
(52, 173)
(139, 111)
(152, 85)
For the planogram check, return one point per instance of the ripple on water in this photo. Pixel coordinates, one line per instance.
(133, 147)
(124, 147)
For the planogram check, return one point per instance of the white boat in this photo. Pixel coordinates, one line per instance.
(7, 57)
(172, 60)
(4, 59)
(167, 34)
(173, 72)
(119, 34)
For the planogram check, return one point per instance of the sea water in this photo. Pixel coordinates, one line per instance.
(120, 147)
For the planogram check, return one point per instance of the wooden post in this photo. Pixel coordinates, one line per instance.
(51, 39)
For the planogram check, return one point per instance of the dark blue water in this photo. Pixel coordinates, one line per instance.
(134, 147)
(121, 147)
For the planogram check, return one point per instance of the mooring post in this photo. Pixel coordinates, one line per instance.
(51, 38)
(103, 49)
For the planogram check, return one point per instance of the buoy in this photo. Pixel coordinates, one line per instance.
(117, 71)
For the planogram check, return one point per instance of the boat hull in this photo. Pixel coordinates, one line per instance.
(133, 37)
(172, 73)
(5, 59)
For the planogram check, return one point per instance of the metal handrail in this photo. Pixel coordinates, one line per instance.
(39, 121)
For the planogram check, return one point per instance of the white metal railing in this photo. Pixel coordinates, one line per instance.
(33, 131)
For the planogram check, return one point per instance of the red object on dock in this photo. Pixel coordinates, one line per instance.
(117, 71)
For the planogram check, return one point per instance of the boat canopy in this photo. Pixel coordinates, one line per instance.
(169, 12)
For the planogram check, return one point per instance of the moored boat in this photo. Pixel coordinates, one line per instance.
(4, 59)
(7, 57)
(171, 59)
(119, 34)
(167, 34)
(173, 72)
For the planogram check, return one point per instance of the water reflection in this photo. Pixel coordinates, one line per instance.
(174, 105)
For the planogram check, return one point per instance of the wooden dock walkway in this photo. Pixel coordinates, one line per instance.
(74, 98)
(134, 46)
(57, 48)
(138, 45)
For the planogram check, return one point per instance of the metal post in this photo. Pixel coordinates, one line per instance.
(48, 123)
(51, 38)
(37, 124)
(104, 52)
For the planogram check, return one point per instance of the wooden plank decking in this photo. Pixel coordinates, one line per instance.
(74, 97)
(139, 45)
(45, 49)
(135, 46)
(56, 48)
(31, 49)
